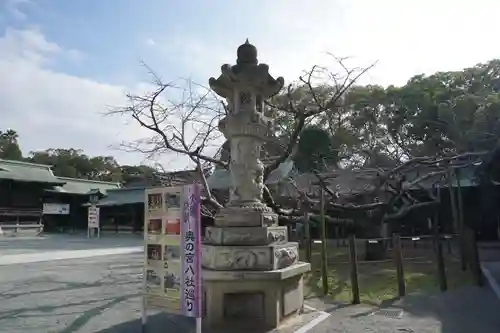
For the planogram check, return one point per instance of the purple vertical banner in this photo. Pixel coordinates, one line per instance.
(191, 251)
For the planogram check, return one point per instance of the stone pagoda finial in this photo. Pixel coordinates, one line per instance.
(247, 54)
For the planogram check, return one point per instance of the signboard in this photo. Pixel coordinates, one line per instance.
(93, 221)
(93, 217)
(55, 209)
(172, 256)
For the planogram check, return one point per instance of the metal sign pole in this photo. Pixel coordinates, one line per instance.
(144, 310)
(198, 325)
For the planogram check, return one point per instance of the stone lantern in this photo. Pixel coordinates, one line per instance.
(251, 272)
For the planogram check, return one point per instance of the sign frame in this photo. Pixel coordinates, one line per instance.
(93, 220)
(172, 252)
(54, 208)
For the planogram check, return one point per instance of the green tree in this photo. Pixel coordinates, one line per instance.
(74, 163)
(130, 172)
(447, 112)
(9, 146)
(315, 150)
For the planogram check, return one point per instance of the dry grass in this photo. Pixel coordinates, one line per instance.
(377, 280)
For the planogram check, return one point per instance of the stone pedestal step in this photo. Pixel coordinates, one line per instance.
(246, 235)
(261, 257)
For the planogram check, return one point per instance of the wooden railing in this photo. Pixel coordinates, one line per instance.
(15, 224)
(23, 228)
(14, 211)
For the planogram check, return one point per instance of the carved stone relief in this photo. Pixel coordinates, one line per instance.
(277, 236)
(239, 238)
(286, 256)
(207, 253)
(246, 170)
(259, 235)
(249, 257)
(244, 259)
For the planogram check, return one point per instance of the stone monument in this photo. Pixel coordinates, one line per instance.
(251, 272)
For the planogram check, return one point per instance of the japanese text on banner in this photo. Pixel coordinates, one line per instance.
(191, 242)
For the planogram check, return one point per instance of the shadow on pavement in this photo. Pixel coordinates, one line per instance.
(157, 323)
(468, 309)
(464, 310)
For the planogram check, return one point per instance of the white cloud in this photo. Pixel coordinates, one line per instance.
(55, 110)
(406, 38)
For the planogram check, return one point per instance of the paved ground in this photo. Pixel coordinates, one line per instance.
(467, 310)
(102, 294)
(51, 243)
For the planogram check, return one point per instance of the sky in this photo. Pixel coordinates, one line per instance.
(64, 63)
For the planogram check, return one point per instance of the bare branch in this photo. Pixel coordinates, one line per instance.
(182, 118)
(303, 113)
(209, 197)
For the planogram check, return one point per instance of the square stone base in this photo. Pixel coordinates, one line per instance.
(253, 299)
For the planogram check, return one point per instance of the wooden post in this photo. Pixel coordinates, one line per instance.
(337, 234)
(475, 265)
(398, 261)
(453, 200)
(307, 236)
(324, 267)
(461, 230)
(439, 246)
(354, 270)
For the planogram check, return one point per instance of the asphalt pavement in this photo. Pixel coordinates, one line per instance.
(69, 284)
(46, 286)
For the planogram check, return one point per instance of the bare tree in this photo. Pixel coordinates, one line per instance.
(383, 189)
(182, 117)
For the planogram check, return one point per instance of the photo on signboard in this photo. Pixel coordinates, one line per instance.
(171, 282)
(173, 227)
(154, 251)
(172, 200)
(154, 226)
(152, 279)
(155, 201)
(172, 252)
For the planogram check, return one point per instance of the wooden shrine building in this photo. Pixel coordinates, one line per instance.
(22, 186)
(122, 209)
(64, 206)
(30, 195)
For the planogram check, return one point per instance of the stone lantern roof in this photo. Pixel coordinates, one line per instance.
(246, 73)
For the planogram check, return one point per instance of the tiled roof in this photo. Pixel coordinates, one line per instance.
(84, 186)
(135, 194)
(27, 172)
(220, 179)
(173, 178)
(122, 196)
(358, 181)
